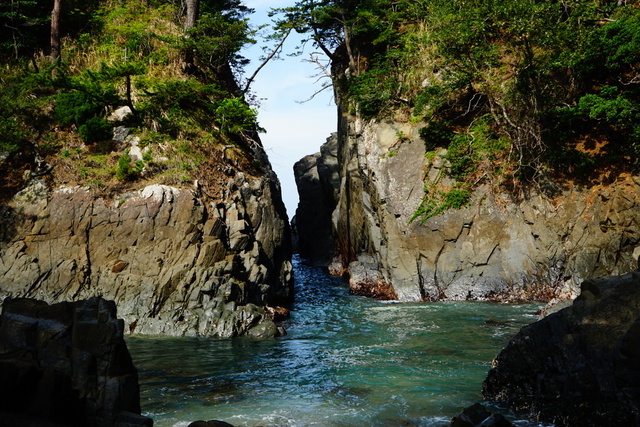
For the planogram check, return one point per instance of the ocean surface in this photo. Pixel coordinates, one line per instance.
(345, 361)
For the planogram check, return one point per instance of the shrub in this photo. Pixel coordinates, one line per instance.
(456, 198)
(460, 157)
(95, 129)
(436, 134)
(235, 116)
(124, 167)
(76, 107)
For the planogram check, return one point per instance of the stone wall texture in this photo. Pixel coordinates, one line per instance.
(544, 244)
(175, 261)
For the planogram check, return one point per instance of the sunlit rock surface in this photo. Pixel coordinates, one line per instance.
(174, 260)
(541, 246)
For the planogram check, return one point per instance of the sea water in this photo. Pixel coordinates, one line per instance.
(345, 361)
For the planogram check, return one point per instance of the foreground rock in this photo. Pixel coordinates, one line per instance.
(175, 260)
(538, 247)
(477, 415)
(581, 365)
(66, 364)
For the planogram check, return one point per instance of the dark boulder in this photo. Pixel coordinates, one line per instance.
(477, 415)
(67, 364)
(581, 365)
(210, 423)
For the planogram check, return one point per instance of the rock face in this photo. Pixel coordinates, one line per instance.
(496, 247)
(581, 365)
(174, 260)
(317, 180)
(66, 364)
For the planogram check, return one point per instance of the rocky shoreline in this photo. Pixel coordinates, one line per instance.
(175, 261)
(66, 364)
(360, 193)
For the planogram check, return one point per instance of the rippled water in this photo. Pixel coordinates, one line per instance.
(346, 361)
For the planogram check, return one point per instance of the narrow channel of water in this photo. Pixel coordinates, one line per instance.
(346, 361)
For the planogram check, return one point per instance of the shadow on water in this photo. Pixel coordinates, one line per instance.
(346, 361)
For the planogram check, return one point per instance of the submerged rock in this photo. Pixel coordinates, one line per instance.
(66, 364)
(580, 365)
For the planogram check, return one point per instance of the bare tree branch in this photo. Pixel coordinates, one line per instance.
(322, 89)
(273, 53)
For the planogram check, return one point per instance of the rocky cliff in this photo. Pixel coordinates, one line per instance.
(579, 366)
(176, 261)
(541, 245)
(317, 181)
(66, 364)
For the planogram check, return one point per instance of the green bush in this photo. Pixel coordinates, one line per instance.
(75, 107)
(374, 90)
(456, 198)
(95, 129)
(461, 157)
(235, 116)
(123, 171)
(436, 134)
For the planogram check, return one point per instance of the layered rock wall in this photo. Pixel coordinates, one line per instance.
(174, 260)
(496, 247)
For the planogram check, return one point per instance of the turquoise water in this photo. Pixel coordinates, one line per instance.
(346, 361)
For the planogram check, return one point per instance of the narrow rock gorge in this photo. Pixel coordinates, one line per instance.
(369, 183)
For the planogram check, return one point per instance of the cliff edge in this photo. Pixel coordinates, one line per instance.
(494, 246)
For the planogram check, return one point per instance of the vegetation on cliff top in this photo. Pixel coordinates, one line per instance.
(174, 64)
(516, 90)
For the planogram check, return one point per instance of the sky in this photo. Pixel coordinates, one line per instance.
(294, 129)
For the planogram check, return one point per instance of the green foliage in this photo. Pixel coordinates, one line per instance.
(235, 116)
(436, 134)
(457, 198)
(217, 40)
(126, 170)
(374, 89)
(24, 24)
(541, 69)
(124, 167)
(75, 107)
(95, 129)
(460, 155)
(436, 203)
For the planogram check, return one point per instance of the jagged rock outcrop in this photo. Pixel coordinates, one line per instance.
(174, 260)
(317, 181)
(579, 366)
(544, 245)
(66, 364)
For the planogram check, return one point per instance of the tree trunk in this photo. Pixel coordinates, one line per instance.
(55, 33)
(193, 11)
